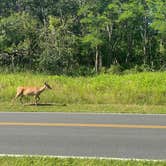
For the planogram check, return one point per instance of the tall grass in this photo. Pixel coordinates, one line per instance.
(142, 88)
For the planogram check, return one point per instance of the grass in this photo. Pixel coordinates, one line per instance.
(43, 161)
(96, 108)
(138, 93)
(135, 93)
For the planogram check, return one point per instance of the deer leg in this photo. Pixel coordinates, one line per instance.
(21, 99)
(37, 98)
(19, 95)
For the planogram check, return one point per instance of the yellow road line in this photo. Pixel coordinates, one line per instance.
(82, 125)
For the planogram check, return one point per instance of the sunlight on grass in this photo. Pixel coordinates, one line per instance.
(42, 161)
(142, 88)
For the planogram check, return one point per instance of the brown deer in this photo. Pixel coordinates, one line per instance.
(31, 91)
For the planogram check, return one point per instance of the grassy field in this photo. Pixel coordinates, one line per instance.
(144, 92)
(43, 161)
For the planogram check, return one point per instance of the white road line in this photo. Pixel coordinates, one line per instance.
(78, 157)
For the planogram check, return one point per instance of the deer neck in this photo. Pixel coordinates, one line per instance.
(42, 89)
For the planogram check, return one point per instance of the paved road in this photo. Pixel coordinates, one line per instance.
(93, 135)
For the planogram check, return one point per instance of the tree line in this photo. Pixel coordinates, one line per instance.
(82, 36)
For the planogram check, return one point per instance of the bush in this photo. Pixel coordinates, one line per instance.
(115, 69)
(81, 71)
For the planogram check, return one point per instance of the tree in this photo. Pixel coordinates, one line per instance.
(94, 24)
(158, 23)
(62, 36)
(57, 47)
(17, 38)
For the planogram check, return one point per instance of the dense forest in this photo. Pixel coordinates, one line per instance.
(81, 37)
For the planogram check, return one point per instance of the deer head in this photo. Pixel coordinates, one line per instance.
(47, 86)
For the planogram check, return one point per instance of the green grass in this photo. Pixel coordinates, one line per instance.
(143, 92)
(46, 161)
(94, 108)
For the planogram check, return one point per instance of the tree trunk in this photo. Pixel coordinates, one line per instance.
(12, 62)
(145, 33)
(109, 56)
(129, 45)
(96, 59)
(100, 62)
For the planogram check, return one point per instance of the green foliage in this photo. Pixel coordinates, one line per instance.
(56, 43)
(158, 14)
(17, 34)
(92, 39)
(15, 31)
(115, 69)
(59, 37)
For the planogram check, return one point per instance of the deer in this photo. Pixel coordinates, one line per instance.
(31, 91)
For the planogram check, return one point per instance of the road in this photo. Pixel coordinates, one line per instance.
(82, 134)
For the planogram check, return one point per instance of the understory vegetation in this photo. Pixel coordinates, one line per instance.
(141, 88)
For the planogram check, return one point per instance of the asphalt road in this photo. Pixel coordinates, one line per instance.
(92, 135)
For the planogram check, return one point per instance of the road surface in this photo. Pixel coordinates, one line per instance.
(82, 134)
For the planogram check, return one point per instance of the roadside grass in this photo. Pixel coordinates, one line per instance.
(133, 93)
(85, 108)
(43, 161)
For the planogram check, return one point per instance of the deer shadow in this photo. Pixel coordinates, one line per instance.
(44, 104)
